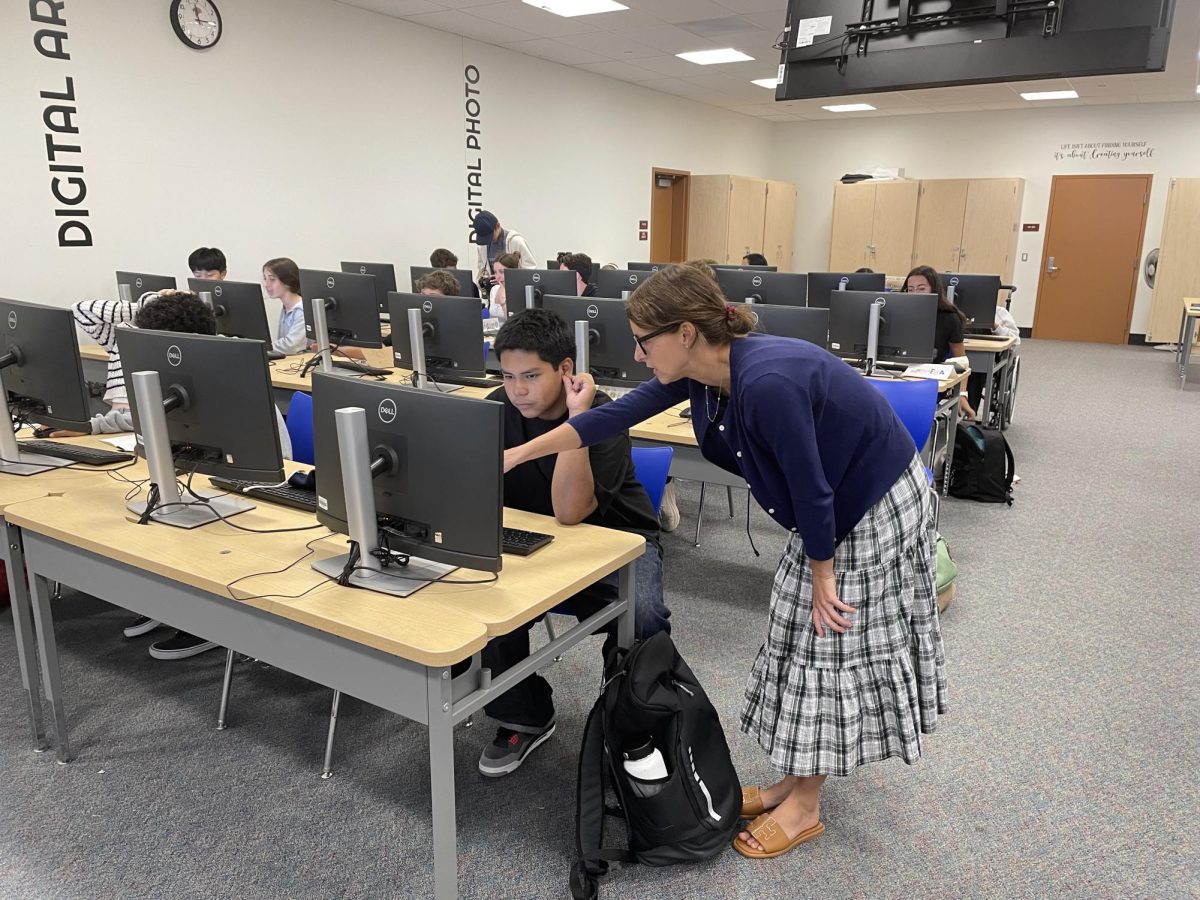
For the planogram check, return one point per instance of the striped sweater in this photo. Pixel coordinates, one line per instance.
(99, 320)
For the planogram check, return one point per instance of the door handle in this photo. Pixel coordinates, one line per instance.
(1051, 268)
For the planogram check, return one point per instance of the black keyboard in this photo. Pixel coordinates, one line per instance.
(465, 380)
(296, 498)
(89, 456)
(522, 543)
(360, 367)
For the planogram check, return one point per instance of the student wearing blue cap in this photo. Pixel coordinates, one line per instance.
(494, 240)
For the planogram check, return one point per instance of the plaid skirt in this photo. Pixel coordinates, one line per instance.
(825, 705)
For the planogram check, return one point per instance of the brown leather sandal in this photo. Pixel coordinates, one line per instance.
(752, 802)
(772, 838)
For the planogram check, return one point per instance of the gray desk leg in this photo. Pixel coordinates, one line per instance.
(18, 592)
(43, 618)
(441, 783)
(985, 403)
(951, 434)
(627, 590)
(1189, 334)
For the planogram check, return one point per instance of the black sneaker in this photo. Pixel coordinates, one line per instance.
(506, 753)
(141, 625)
(180, 646)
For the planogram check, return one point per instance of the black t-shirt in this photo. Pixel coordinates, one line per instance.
(589, 291)
(947, 330)
(621, 500)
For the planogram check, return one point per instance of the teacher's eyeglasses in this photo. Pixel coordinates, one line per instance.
(650, 335)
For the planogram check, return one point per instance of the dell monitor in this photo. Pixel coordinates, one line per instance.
(976, 297)
(351, 308)
(543, 281)
(610, 340)
(138, 283)
(419, 474)
(738, 266)
(615, 283)
(759, 286)
(801, 322)
(462, 276)
(41, 379)
(384, 274)
(238, 306)
(906, 327)
(200, 403)
(453, 331)
(821, 284)
(645, 266)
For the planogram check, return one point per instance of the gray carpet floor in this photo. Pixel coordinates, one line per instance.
(1068, 763)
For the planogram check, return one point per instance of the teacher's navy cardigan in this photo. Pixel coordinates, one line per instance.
(817, 445)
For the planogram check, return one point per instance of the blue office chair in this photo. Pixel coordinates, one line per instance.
(915, 404)
(300, 428)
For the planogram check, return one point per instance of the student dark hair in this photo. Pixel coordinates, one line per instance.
(755, 259)
(677, 294)
(207, 259)
(865, 270)
(539, 331)
(183, 312)
(438, 280)
(579, 263)
(441, 258)
(935, 285)
(561, 256)
(286, 271)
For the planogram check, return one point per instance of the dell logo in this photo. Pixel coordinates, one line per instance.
(954, 281)
(174, 355)
(592, 311)
(387, 411)
(329, 282)
(137, 282)
(632, 278)
(12, 319)
(216, 290)
(536, 277)
(845, 279)
(756, 281)
(362, 270)
(427, 306)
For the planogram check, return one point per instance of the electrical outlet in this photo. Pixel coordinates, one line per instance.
(1024, 257)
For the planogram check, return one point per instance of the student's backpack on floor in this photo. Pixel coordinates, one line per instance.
(983, 466)
(690, 815)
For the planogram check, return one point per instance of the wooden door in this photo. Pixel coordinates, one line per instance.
(1178, 272)
(747, 212)
(941, 208)
(853, 221)
(668, 215)
(779, 224)
(708, 216)
(894, 227)
(1092, 256)
(991, 227)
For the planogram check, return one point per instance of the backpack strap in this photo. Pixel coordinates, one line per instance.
(1010, 470)
(590, 810)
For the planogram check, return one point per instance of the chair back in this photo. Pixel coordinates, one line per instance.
(300, 428)
(651, 466)
(913, 401)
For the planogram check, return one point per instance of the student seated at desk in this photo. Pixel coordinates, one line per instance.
(438, 283)
(187, 314)
(441, 258)
(948, 329)
(497, 299)
(581, 265)
(754, 259)
(281, 281)
(208, 263)
(595, 485)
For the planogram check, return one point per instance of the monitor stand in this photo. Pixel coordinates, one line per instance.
(170, 508)
(12, 460)
(321, 330)
(354, 453)
(416, 340)
(873, 335)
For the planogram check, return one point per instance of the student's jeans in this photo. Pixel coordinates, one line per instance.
(528, 706)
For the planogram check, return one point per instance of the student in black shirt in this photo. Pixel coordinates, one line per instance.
(948, 328)
(596, 485)
(581, 265)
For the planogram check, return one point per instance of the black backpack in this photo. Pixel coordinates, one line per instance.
(983, 466)
(649, 691)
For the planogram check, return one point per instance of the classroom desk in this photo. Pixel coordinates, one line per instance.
(993, 358)
(395, 653)
(1187, 334)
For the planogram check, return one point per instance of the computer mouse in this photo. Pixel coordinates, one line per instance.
(685, 413)
(43, 431)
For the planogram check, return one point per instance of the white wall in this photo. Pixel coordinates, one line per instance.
(1001, 143)
(323, 132)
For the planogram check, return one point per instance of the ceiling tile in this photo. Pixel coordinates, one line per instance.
(396, 8)
(612, 45)
(468, 25)
(516, 14)
(555, 51)
(667, 38)
(680, 10)
(622, 70)
(757, 6)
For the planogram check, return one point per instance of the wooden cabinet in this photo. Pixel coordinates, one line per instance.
(732, 215)
(873, 226)
(1178, 272)
(953, 225)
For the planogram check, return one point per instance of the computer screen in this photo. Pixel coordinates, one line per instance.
(453, 329)
(45, 381)
(822, 284)
(385, 278)
(776, 288)
(238, 306)
(610, 338)
(906, 326)
(462, 276)
(223, 421)
(736, 266)
(612, 283)
(351, 308)
(141, 282)
(439, 488)
(544, 281)
(645, 266)
(801, 322)
(976, 296)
